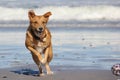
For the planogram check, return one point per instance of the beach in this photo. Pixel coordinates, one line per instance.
(22, 73)
(85, 39)
(65, 75)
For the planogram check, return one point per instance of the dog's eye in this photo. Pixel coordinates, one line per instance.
(43, 22)
(35, 22)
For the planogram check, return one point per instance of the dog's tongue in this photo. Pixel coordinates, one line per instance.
(42, 35)
(40, 31)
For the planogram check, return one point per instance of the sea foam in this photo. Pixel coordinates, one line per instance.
(65, 13)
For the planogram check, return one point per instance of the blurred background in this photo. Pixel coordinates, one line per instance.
(64, 12)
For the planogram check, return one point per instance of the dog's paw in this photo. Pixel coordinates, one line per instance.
(43, 61)
(39, 75)
(42, 74)
(50, 73)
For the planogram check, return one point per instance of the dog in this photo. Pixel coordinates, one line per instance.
(38, 40)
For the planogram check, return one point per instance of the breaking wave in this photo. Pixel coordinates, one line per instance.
(65, 13)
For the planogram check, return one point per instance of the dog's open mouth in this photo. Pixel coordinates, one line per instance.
(39, 30)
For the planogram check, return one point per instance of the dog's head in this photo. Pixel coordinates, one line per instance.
(38, 22)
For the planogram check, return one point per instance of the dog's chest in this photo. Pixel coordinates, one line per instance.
(39, 46)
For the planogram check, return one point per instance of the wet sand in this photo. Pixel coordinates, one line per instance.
(25, 73)
(65, 75)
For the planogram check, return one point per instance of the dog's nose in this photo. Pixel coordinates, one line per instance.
(40, 28)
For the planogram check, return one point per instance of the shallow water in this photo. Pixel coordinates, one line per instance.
(87, 48)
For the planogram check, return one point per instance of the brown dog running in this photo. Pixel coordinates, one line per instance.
(38, 40)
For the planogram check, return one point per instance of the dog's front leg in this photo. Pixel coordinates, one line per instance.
(37, 59)
(36, 53)
(49, 72)
(44, 60)
(46, 44)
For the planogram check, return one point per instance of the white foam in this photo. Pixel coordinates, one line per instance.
(65, 13)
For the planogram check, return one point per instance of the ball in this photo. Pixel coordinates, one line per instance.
(116, 69)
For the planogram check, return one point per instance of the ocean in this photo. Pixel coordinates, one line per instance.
(78, 10)
(85, 33)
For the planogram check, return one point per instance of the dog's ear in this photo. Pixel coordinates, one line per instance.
(31, 14)
(46, 15)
